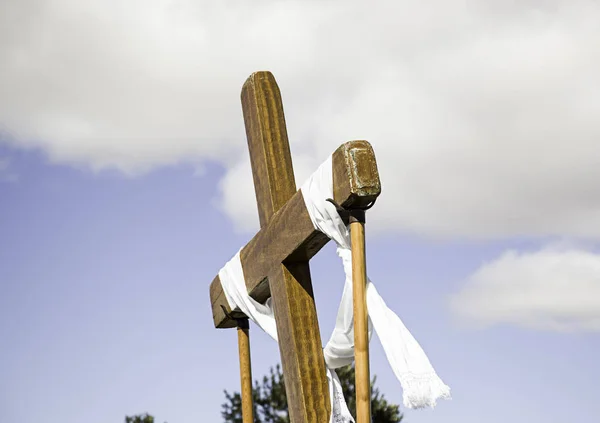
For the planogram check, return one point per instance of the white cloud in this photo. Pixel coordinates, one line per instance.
(238, 199)
(483, 114)
(556, 288)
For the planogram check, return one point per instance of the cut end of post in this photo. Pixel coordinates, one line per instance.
(253, 93)
(255, 78)
(355, 175)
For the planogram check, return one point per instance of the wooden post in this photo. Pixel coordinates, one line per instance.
(245, 370)
(362, 376)
(290, 284)
(276, 261)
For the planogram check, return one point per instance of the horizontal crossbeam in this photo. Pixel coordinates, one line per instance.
(290, 236)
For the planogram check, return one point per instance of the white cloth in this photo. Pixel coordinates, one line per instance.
(236, 293)
(421, 385)
(234, 287)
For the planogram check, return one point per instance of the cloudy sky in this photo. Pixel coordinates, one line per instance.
(125, 185)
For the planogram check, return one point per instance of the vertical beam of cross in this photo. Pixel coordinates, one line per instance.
(290, 283)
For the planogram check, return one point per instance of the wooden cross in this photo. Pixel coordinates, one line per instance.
(275, 261)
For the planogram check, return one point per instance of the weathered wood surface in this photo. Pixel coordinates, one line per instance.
(275, 261)
(268, 144)
(291, 289)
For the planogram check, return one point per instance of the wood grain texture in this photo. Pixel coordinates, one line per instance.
(268, 144)
(300, 344)
(355, 176)
(291, 290)
(361, 334)
(245, 370)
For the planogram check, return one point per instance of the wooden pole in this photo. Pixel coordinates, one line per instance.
(361, 335)
(245, 370)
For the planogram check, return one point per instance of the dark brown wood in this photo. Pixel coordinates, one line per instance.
(275, 261)
(295, 310)
(300, 344)
(268, 144)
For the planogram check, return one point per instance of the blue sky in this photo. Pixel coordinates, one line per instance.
(105, 309)
(125, 185)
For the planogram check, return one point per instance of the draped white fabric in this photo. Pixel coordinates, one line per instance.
(421, 385)
(234, 287)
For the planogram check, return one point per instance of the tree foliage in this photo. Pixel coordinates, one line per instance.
(140, 418)
(270, 402)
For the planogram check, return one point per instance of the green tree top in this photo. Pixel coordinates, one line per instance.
(140, 418)
(270, 401)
